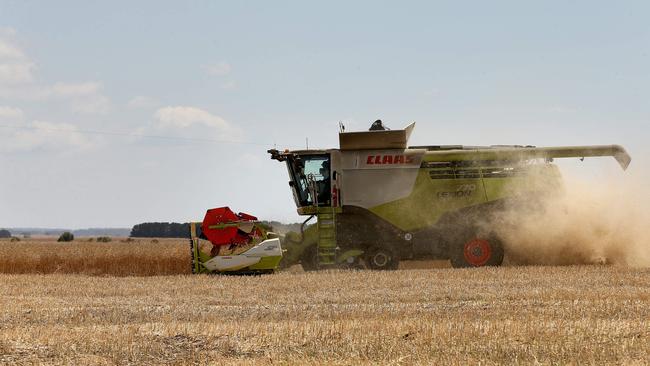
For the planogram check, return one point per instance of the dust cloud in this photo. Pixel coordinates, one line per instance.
(586, 222)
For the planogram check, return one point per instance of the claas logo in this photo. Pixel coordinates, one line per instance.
(389, 159)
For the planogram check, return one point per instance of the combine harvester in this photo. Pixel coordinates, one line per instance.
(377, 201)
(231, 243)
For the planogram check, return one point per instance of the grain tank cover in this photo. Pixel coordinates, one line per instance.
(376, 140)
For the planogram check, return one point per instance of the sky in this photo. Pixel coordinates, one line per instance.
(85, 84)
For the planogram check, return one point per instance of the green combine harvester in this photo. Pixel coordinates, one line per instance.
(377, 201)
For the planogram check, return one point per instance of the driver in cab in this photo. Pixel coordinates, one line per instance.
(323, 184)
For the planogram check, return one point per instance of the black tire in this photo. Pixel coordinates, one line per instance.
(309, 258)
(476, 250)
(380, 258)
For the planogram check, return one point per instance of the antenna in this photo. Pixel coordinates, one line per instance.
(307, 142)
(341, 127)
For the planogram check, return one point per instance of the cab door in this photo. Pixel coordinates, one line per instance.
(318, 175)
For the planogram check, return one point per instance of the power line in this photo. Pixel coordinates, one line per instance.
(130, 134)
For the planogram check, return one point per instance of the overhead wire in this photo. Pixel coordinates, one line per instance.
(133, 134)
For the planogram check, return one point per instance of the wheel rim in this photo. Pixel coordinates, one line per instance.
(380, 259)
(477, 252)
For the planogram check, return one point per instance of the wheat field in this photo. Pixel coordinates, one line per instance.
(529, 315)
(120, 257)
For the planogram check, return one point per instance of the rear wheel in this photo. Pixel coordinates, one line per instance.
(381, 258)
(476, 250)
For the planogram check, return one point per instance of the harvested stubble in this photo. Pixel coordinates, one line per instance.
(140, 257)
(551, 315)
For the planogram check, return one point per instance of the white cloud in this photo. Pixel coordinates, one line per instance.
(15, 66)
(191, 122)
(183, 117)
(42, 135)
(218, 69)
(17, 81)
(562, 109)
(14, 73)
(55, 91)
(7, 32)
(433, 92)
(65, 90)
(95, 104)
(9, 51)
(11, 114)
(86, 97)
(141, 101)
(228, 85)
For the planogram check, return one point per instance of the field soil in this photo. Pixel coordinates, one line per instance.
(547, 315)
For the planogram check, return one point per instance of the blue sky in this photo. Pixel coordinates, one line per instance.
(263, 73)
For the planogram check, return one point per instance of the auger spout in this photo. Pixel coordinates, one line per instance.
(527, 153)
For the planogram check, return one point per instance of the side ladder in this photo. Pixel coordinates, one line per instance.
(326, 221)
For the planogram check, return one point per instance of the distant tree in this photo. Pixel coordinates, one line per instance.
(5, 233)
(66, 236)
(266, 225)
(161, 230)
(104, 239)
(15, 238)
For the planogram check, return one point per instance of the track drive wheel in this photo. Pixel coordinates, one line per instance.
(309, 258)
(381, 258)
(476, 250)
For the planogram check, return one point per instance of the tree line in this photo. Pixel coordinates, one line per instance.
(161, 230)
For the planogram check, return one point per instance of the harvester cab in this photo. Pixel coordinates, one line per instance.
(310, 179)
(313, 182)
(378, 201)
(226, 242)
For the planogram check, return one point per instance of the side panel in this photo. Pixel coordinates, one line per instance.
(439, 191)
(373, 177)
(430, 198)
(534, 180)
